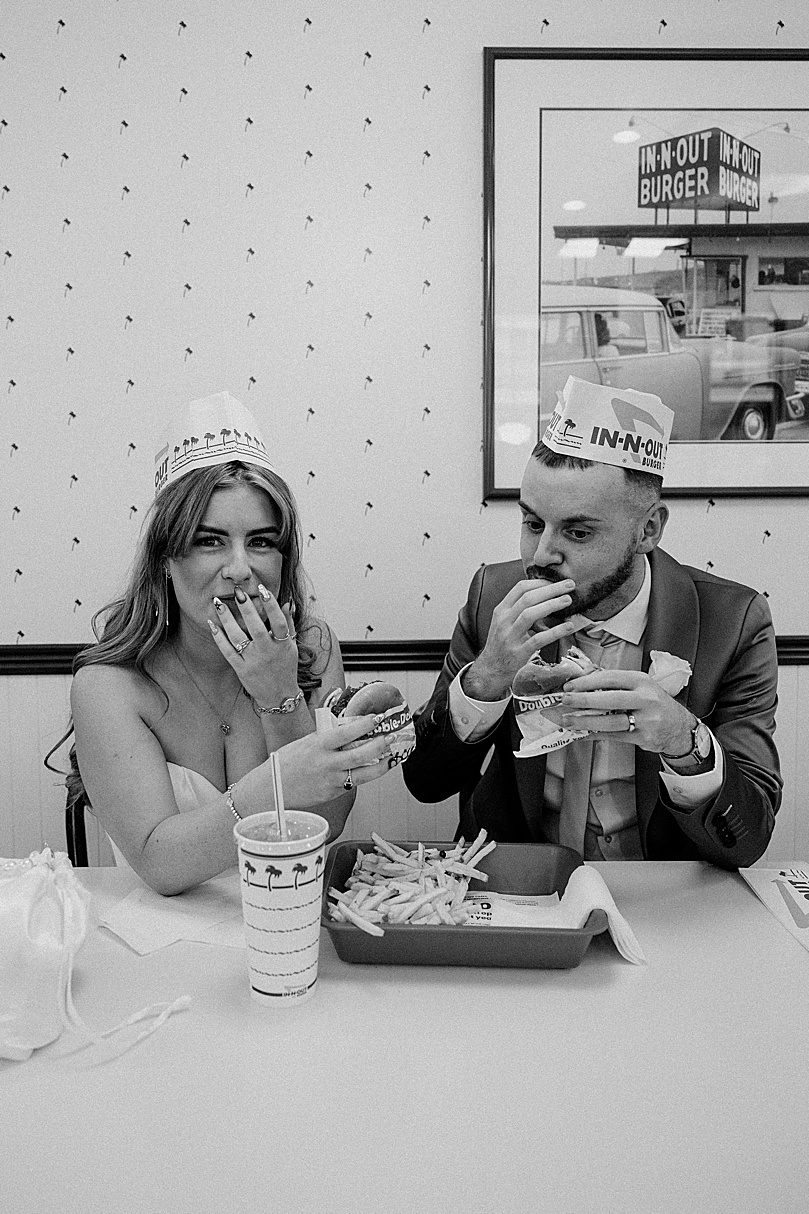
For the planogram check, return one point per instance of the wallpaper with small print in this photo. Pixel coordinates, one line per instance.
(284, 201)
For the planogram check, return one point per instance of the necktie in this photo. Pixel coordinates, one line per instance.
(579, 763)
(576, 794)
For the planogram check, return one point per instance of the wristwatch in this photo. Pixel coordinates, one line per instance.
(700, 752)
(287, 705)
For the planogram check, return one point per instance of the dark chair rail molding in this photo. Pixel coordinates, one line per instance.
(357, 655)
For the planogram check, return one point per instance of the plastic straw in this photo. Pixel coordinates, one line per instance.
(278, 795)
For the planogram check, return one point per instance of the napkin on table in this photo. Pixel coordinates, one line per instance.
(586, 891)
(209, 914)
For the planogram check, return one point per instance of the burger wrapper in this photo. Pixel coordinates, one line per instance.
(540, 722)
(540, 719)
(397, 722)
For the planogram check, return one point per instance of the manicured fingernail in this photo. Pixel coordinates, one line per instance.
(219, 605)
(239, 595)
(212, 627)
(264, 593)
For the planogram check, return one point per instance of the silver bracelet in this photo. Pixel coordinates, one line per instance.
(287, 705)
(231, 806)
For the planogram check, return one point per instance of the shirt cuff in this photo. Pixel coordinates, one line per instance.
(472, 719)
(687, 792)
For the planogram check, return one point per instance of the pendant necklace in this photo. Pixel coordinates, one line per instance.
(224, 724)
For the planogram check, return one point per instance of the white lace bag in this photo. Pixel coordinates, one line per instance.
(44, 912)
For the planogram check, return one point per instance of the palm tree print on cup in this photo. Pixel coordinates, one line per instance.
(299, 869)
(249, 870)
(271, 872)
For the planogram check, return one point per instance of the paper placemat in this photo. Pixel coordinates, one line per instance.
(785, 892)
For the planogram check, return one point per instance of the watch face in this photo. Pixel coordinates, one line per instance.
(702, 740)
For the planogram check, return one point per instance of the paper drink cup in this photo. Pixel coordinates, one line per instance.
(281, 883)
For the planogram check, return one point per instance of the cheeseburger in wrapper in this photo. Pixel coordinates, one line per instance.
(537, 694)
(381, 699)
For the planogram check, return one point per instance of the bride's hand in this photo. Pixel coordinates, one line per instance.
(265, 658)
(314, 769)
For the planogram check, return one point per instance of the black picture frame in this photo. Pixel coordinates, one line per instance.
(626, 80)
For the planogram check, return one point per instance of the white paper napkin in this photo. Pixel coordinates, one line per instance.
(586, 891)
(209, 914)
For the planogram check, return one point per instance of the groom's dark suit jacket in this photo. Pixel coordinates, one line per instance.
(723, 629)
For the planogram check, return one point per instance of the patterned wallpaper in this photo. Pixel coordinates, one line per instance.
(283, 200)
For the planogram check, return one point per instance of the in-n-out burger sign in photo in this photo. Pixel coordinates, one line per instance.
(705, 170)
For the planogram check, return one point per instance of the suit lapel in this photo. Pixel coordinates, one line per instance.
(529, 776)
(673, 627)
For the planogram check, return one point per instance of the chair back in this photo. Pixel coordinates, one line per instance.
(75, 830)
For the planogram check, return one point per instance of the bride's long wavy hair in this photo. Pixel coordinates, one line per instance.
(132, 628)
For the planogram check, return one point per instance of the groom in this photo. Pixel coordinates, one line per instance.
(665, 777)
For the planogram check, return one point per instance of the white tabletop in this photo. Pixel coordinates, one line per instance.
(677, 1086)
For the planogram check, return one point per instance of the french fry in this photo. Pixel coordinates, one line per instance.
(421, 888)
(478, 843)
(371, 928)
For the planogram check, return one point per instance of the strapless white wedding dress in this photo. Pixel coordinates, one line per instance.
(191, 790)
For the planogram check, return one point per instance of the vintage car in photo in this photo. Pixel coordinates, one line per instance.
(774, 331)
(718, 387)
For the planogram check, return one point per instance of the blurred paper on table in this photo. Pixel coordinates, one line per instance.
(209, 914)
(785, 892)
(585, 891)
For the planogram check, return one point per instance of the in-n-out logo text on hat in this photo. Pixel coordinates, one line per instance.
(610, 426)
(214, 430)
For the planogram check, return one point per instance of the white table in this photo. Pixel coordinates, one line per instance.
(679, 1086)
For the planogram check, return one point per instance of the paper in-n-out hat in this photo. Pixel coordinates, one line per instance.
(611, 426)
(214, 430)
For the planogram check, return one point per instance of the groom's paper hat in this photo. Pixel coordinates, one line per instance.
(214, 430)
(611, 426)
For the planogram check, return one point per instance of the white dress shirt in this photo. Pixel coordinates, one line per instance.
(612, 832)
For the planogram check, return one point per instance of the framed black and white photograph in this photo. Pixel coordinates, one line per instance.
(646, 226)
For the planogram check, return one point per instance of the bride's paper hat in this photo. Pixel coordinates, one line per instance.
(611, 426)
(214, 430)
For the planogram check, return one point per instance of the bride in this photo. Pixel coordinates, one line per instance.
(208, 663)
